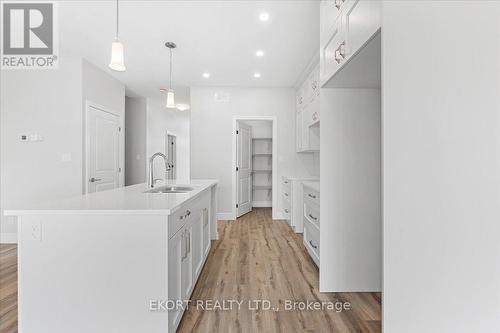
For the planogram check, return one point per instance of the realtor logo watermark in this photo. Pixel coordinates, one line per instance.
(29, 35)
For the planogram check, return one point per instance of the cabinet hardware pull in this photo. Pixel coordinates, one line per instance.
(189, 242)
(314, 246)
(314, 218)
(338, 57)
(286, 210)
(342, 49)
(311, 196)
(315, 115)
(184, 254)
(286, 194)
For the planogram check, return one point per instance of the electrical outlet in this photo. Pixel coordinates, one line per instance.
(35, 230)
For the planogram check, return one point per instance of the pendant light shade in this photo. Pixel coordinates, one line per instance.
(117, 59)
(170, 92)
(170, 99)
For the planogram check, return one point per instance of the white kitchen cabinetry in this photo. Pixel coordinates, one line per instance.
(344, 34)
(308, 113)
(188, 249)
(311, 219)
(293, 201)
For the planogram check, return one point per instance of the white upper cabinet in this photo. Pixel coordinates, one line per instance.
(308, 113)
(344, 34)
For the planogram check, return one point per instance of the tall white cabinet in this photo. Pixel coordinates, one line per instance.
(351, 203)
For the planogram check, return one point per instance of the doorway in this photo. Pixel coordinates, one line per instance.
(254, 164)
(102, 157)
(171, 152)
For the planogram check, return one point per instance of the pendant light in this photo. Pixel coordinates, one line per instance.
(117, 63)
(170, 91)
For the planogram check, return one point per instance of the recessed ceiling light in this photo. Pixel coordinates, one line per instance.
(264, 16)
(256, 75)
(259, 53)
(206, 75)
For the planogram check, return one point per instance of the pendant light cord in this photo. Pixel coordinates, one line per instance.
(117, 18)
(170, 69)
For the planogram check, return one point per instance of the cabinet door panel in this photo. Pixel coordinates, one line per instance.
(329, 57)
(197, 243)
(361, 21)
(175, 252)
(187, 261)
(206, 232)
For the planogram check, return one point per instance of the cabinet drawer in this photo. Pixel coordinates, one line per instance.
(178, 219)
(287, 195)
(311, 239)
(311, 212)
(287, 185)
(311, 196)
(287, 209)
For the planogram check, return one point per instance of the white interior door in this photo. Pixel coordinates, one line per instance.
(103, 156)
(244, 168)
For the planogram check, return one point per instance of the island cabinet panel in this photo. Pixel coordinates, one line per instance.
(197, 248)
(187, 261)
(175, 261)
(188, 250)
(206, 231)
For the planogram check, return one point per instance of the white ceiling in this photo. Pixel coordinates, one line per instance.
(219, 37)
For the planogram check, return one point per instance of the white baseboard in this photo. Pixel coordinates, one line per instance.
(259, 204)
(225, 216)
(8, 238)
(279, 216)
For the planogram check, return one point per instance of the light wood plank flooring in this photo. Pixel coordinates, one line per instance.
(255, 258)
(8, 288)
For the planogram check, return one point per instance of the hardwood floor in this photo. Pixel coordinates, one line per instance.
(8, 288)
(255, 259)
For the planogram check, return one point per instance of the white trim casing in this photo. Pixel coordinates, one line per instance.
(274, 121)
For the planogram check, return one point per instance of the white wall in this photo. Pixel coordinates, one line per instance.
(50, 103)
(101, 88)
(211, 139)
(159, 121)
(441, 146)
(135, 140)
(47, 102)
(351, 235)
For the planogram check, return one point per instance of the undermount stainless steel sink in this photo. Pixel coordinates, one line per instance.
(170, 189)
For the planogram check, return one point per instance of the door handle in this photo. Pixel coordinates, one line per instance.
(93, 180)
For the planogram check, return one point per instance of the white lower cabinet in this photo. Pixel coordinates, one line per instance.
(293, 201)
(188, 249)
(175, 255)
(311, 220)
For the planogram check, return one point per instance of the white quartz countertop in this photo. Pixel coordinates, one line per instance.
(123, 200)
(312, 184)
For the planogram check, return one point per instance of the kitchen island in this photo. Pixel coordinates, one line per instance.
(103, 262)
